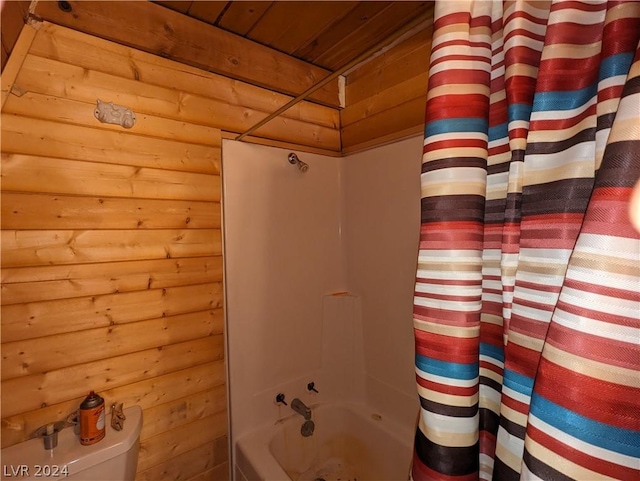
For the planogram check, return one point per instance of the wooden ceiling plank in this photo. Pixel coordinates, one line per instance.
(331, 18)
(351, 22)
(240, 17)
(394, 36)
(273, 21)
(5, 57)
(13, 15)
(207, 11)
(288, 26)
(150, 27)
(382, 25)
(181, 6)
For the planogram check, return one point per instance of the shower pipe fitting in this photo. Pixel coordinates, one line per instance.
(293, 159)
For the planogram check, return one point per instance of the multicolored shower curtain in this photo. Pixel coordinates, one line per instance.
(527, 298)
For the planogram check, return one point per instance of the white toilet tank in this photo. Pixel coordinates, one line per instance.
(113, 459)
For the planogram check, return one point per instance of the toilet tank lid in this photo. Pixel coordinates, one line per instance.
(70, 454)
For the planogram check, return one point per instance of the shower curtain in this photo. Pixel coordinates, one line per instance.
(527, 297)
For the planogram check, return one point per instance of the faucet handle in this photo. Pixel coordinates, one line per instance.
(312, 387)
(280, 399)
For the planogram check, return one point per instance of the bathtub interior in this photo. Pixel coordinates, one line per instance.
(349, 443)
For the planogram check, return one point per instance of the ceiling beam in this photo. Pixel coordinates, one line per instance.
(155, 29)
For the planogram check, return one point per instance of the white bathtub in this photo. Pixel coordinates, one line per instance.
(350, 443)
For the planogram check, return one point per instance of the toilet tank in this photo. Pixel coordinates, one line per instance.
(113, 459)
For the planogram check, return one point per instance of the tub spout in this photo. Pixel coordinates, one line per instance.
(299, 407)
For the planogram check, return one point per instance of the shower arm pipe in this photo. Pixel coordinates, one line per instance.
(387, 42)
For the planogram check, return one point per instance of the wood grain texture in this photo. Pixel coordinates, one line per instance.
(392, 17)
(152, 28)
(174, 414)
(4, 56)
(219, 473)
(34, 356)
(206, 10)
(73, 112)
(24, 285)
(187, 465)
(384, 100)
(27, 393)
(28, 173)
(27, 135)
(181, 440)
(12, 19)
(342, 29)
(412, 54)
(25, 248)
(386, 96)
(118, 64)
(182, 117)
(240, 17)
(43, 211)
(279, 27)
(391, 124)
(177, 5)
(14, 61)
(27, 321)
(146, 393)
(112, 249)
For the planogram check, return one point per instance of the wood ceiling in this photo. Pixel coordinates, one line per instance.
(327, 34)
(285, 46)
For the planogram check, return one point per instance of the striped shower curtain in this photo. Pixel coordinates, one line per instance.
(527, 297)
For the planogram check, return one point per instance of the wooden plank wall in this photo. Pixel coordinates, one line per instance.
(152, 28)
(111, 241)
(12, 20)
(386, 97)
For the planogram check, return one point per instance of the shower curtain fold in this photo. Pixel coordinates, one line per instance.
(527, 304)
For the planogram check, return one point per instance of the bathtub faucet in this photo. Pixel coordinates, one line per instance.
(299, 407)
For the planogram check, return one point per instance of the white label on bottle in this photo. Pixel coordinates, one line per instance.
(100, 422)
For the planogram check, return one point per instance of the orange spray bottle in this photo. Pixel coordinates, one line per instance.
(91, 417)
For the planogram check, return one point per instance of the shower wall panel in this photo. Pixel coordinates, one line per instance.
(283, 253)
(382, 199)
(347, 227)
